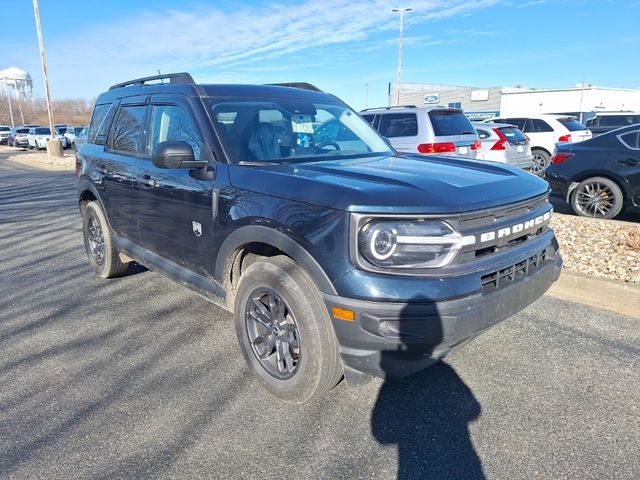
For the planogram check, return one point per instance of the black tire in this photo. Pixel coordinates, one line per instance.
(540, 161)
(302, 326)
(597, 197)
(103, 257)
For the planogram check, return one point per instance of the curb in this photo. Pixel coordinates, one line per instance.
(613, 295)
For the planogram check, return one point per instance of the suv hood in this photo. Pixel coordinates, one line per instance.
(406, 183)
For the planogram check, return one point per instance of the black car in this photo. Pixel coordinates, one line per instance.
(599, 177)
(337, 255)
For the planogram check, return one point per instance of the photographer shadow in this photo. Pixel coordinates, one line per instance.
(428, 413)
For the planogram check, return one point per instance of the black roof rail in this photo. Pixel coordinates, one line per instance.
(176, 78)
(388, 108)
(302, 85)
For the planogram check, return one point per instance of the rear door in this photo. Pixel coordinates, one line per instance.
(114, 159)
(174, 206)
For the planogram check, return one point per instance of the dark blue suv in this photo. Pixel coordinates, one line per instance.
(337, 255)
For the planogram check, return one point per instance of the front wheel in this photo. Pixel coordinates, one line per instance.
(103, 257)
(285, 332)
(597, 197)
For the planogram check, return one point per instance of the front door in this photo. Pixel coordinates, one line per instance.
(173, 206)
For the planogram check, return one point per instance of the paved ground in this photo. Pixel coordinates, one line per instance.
(139, 378)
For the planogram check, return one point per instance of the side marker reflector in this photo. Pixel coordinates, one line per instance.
(343, 314)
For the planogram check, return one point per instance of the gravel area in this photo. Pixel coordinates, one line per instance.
(42, 160)
(600, 248)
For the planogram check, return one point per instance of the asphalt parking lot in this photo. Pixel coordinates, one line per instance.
(140, 378)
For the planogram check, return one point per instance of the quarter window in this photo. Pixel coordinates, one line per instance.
(172, 123)
(631, 139)
(100, 123)
(127, 128)
(399, 125)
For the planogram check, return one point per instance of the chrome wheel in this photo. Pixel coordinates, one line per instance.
(95, 240)
(273, 334)
(595, 199)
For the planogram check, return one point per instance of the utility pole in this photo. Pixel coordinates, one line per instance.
(399, 70)
(54, 147)
(366, 86)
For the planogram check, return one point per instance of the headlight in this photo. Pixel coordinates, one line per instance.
(409, 243)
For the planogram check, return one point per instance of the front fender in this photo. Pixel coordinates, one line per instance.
(256, 233)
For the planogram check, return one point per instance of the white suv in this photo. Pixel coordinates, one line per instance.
(544, 131)
(429, 130)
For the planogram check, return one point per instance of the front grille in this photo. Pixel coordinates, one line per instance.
(507, 276)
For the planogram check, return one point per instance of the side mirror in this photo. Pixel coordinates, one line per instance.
(175, 155)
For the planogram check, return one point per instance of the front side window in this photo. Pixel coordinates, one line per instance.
(171, 123)
(292, 129)
(127, 127)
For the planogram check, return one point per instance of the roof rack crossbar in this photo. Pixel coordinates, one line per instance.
(302, 85)
(176, 78)
(389, 108)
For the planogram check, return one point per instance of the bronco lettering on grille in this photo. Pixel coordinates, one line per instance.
(517, 228)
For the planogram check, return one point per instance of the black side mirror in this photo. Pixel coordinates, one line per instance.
(175, 155)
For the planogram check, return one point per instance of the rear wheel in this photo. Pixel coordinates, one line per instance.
(540, 161)
(103, 257)
(597, 197)
(285, 332)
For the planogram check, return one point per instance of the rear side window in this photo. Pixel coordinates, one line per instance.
(631, 139)
(100, 123)
(127, 127)
(518, 122)
(399, 125)
(572, 124)
(369, 118)
(450, 122)
(513, 135)
(539, 126)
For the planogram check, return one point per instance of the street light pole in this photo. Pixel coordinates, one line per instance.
(54, 147)
(399, 70)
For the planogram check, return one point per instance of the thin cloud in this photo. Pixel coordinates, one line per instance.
(209, 39)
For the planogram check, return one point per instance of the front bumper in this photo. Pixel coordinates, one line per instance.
(401, 338)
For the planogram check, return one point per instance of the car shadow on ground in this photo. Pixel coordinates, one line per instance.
(426, 415)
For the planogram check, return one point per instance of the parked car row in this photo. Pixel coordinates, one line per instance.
(36, 136)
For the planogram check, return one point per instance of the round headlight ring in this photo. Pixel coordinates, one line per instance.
(383, 243)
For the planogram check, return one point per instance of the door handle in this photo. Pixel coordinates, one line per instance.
(630, 161)
(147, 180)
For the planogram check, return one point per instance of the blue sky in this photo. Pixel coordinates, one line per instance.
(339, 45)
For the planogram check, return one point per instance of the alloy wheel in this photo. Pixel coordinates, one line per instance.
(595, 199)
(95, 240)
(273, 334)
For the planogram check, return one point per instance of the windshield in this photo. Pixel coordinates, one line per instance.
(42, 131)
(289, 129)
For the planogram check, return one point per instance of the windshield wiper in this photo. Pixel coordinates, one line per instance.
(466, 132)
(248, 163)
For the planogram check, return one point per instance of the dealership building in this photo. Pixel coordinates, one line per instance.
(583, 100)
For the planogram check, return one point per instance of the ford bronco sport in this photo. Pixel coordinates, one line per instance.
(337, 255)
